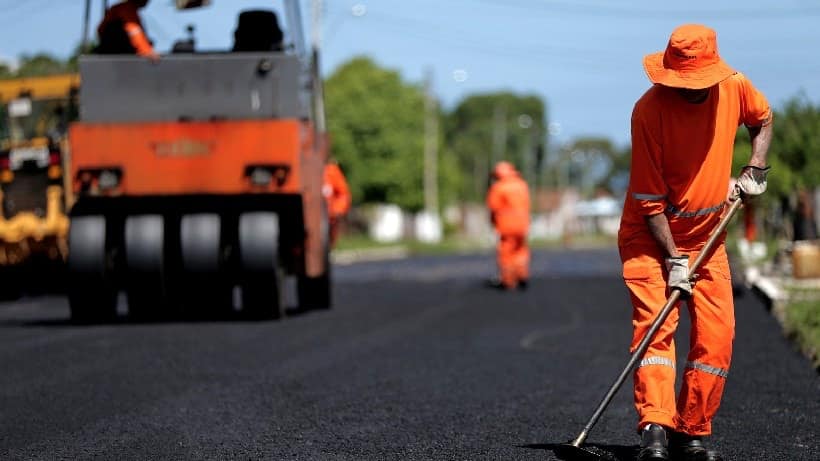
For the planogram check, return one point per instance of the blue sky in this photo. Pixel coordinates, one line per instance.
(582, 56)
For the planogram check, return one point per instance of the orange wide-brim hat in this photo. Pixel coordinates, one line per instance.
(691, 60)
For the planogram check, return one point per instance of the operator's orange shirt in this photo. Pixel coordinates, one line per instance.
(682, 157)
(126, 12)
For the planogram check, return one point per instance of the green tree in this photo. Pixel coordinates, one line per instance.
(595, 163)
(796, 142)
(484, 129)
(793, 155)
(376, 123)
(72, 64)
(39, 64)
(5, 71)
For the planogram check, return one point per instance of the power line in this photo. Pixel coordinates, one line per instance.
(487, 46)
(632, 12)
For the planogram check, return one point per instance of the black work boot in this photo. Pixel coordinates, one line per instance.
(653, 444)
(494, 283)
(690, 448)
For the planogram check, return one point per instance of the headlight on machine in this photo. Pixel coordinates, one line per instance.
(264, 175)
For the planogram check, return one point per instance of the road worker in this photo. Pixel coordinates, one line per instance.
(683, 132)
(509, 203)
(121, 31)
(337, 195)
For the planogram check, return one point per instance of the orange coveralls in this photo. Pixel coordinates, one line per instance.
(509, 202)
(337, 195)
(126, 12)
(681, 166)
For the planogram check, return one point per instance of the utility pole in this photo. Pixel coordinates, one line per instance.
(318, 97)
(316, 28)
(528, 154)
(499, 134)
(430, 147)
(86, 20)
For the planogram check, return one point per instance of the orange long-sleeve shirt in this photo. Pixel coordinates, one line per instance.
(509, 202)
(682, 157)
(126, 12)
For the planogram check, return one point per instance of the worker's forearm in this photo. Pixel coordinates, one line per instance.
(138, 39)
(659, 228)
(761, 137)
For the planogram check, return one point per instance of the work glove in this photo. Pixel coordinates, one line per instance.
(752, 180)
(678, 269)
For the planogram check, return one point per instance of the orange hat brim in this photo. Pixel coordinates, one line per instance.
(696, 79)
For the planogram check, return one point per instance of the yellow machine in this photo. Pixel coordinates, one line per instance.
(34, 117)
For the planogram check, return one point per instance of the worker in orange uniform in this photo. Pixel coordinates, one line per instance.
(337, 195)
(683, 131)
(509, 203)
(121, 31)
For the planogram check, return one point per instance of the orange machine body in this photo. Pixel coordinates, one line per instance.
(207, 159)
(193, 157)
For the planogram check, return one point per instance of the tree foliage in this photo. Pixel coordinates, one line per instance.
(6, 71)
(596, 164)
(794, 151)
(486, 128)
(40, 64)
(376, 123)
(36, 65)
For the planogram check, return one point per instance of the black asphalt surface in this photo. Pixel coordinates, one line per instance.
(416, 361)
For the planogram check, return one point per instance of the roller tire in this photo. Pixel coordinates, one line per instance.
(92, 296)
(145, 265)
(205, 287)
(259, 274)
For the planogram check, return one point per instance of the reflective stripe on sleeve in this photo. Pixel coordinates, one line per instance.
(708, 369)
(657, 360)
(691, 214)
(647, 196)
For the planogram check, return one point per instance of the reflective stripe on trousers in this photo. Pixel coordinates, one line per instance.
(708, 369)
(657, 361)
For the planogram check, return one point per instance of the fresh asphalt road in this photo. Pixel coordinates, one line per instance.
(416, 361)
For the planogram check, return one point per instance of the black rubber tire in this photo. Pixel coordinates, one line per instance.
(145, 266)
(259, 274)
(92, 296)
(206, 287)
(11, 283)
(314, 292)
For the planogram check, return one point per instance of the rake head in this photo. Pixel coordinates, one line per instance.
(570, 452)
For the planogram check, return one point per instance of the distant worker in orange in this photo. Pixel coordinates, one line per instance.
(683, 133)
(337, 195)
(509, 203)
(121, 31)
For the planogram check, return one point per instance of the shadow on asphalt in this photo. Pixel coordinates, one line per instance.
(616, 452)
